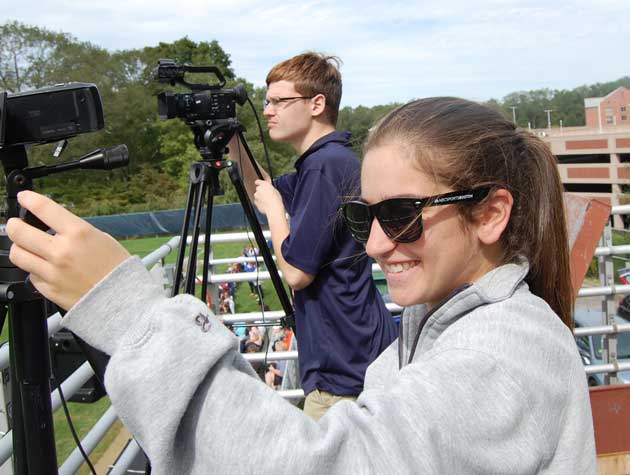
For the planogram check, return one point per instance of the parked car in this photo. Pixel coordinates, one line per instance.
(591, 347)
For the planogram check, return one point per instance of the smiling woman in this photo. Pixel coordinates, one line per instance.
(484, 377)
(446, 145)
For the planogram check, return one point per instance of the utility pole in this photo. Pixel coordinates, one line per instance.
(548, 111)
(513, 113)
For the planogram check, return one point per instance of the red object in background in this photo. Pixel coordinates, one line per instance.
(586, 220)
(611, 418)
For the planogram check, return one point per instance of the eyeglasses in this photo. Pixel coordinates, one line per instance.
(400, 218)
(274, 101)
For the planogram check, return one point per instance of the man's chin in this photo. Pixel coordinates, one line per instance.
(278, 135)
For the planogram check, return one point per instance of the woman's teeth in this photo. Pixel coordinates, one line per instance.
(396, 268)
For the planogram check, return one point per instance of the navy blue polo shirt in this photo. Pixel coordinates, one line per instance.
(341, 320)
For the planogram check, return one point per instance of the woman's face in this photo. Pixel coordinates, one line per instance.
(445, 257)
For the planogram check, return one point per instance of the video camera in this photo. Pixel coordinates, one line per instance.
(211, 103)
(49, 114)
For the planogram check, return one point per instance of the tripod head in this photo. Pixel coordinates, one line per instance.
(212, 137)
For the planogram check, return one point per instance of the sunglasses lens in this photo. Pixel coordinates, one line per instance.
(358, 220)
(401, 220)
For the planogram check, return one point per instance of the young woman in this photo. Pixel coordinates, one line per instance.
(464, 214)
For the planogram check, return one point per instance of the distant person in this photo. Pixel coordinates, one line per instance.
(253, 285)
(275, 370)
(254, 338)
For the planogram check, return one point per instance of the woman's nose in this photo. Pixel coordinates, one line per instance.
(378, 243)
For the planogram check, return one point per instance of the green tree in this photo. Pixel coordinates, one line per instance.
(25, 52)
(359, 120)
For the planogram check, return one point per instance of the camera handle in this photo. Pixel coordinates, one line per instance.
(211, 141)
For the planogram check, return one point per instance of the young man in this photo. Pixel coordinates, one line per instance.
(342, 323)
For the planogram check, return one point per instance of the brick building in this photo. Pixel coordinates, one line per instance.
(608, 111)
(593, 161)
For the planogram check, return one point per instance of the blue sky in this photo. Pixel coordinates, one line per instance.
(392, 51)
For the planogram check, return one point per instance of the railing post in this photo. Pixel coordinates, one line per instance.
(607, 279)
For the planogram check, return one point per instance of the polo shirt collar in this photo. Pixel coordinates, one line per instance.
(340, 136)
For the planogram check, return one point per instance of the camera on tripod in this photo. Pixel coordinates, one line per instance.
(211, 103)
(210, 112)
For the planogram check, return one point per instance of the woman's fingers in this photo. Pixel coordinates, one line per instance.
(63, 267)
(54, 215)
(28, 237)
(27, 261)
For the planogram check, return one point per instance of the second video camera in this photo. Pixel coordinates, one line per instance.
(206, 102)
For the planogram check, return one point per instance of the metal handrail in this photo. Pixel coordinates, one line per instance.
(607, 368)
(126, 458)
(89, 442)
(602, 330)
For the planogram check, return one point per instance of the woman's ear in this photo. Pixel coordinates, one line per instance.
(493, 216)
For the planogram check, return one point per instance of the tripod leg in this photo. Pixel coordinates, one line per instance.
(249, 154)
(32, 379)
(262, 246)
(206, 244)
(192, 189)
(20, 460)
(192, 256)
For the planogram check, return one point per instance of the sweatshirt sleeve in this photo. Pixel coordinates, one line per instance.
(195, 406)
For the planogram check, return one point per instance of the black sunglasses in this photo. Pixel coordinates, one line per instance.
(400, 218)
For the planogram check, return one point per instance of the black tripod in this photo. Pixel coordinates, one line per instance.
(211, 141)
(34, 450)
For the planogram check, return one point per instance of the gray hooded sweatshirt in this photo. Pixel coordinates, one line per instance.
(495, 386)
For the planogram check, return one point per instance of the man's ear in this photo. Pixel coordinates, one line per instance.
(493, 216)
(318, 105)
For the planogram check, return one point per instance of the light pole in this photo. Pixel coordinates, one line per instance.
(513, 113)
(548, 111)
